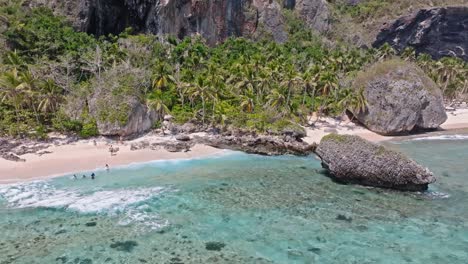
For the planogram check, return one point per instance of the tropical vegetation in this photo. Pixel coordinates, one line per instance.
(49, 72)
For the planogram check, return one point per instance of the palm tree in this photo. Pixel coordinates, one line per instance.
(201, 89)
(156, 102)
(162, 76)
(311, 80)
(12, 90)
(50, 96)
(276, 100)
(292, 80)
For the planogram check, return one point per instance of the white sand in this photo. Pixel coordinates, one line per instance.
(456, 120)
(329, 125)
(84, 156)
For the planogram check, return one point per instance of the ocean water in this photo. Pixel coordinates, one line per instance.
(239, 208)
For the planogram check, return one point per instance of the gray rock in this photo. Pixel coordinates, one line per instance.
(296, 132)
(439, 32)
(215, 20)
(187, 128)
(168, 118)
(351, 159)
(315, 13)
(12, 157)
(183, 137)
(121, 113)
(174, 146)
(401, 98)
(263, 145)
(271, 19)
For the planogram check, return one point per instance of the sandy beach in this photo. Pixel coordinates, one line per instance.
(84, 156)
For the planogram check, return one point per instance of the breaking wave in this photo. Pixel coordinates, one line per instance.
(441, 137)
(126, 204)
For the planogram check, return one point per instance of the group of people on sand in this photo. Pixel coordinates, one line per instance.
(93, 175)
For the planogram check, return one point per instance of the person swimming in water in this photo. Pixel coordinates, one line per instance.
(84, 176)
(93, 176)
(74, 177)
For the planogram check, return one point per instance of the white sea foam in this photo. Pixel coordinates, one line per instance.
(441, 137)
(125, 204)
(437, 195)
(42, 194)
(148, 219)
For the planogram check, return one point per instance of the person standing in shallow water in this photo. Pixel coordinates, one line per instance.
(107, 167)
(93, 176)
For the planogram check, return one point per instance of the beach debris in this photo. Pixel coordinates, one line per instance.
(352, 159)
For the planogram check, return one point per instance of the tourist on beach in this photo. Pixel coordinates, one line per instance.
(107, 167)
(94, 142)
(92, 176)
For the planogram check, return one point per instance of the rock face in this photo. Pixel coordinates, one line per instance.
(400, 99)
(215, 20)
(263, 145)
(351, 159)
(139, 120)
(439, 32)
(315, 13)
(116, 105)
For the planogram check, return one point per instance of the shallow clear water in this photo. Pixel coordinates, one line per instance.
(262, 209)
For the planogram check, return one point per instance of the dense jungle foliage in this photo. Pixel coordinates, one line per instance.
(49, 72)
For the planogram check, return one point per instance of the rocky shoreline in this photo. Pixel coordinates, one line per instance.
(287, 143)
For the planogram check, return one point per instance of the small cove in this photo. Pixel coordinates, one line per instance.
(240, 208)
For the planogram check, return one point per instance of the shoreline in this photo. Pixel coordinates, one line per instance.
(83, 156)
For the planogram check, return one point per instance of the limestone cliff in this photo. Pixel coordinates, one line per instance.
(439, 32)
(215, 20)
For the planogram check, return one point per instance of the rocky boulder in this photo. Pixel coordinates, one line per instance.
(263, 145)
(116, 105)
(400, 98)
(351, 159)
(439, 32)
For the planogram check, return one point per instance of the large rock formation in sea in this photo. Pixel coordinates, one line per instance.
(439, 32)
(351, 159)
(215, 20)
(400, 98)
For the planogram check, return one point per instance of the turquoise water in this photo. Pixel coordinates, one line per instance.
(239, 208)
